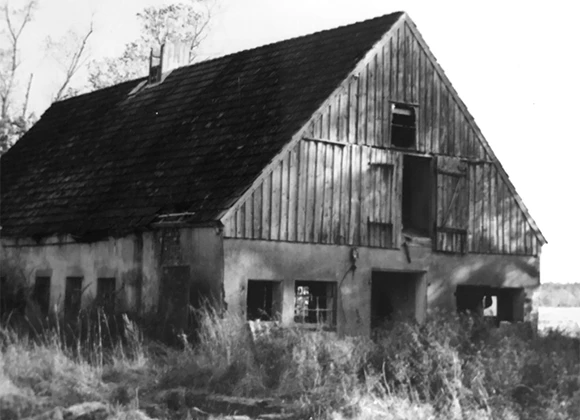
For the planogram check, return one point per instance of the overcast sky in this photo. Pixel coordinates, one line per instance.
(512, 62)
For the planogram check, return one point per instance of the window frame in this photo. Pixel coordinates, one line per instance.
(403, 105)
(275, 299)
(331, 309)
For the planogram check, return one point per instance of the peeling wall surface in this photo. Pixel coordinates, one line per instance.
(289, 262)
(135, 261)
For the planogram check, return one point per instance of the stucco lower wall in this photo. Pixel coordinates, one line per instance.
(135, 261)
(287, 262)
(130, 260)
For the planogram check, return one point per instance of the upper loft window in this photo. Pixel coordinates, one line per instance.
(403, 126)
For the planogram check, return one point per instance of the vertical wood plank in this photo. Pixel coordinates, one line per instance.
(302, 191)
(386, 93)
(276, 202)
(284, 195)
(319, 191)
(343, 129)
(492, 211)
(345, 195)
(355, 195)
(352, 109)
(428, 105)
(365, 193)
(435, 115)
(443, 121)
(400, 66)
(362, 107)
(397, 203)
(370, 114)
(312, 191)
(249, 213)
(326, 223)
(293, 186)
(257, 222)
(336, 195)
(266, 206)
(380, 99)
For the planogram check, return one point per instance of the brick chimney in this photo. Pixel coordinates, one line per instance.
(166, 58)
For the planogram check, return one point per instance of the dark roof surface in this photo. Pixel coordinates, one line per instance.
(110, 162)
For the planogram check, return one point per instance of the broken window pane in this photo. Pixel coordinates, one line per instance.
(403, 126)
(315, 302)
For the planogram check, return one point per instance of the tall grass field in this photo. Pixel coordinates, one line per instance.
(451, 367)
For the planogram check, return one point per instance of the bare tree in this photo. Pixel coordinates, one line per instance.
(71, 52)
(15, 23)
(186, 22)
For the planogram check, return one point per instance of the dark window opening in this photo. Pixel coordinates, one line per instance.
(417, 192)
(106, 294)
(41, 294)
(72, 296)
(403, 126)
(394, 296)
(263, 300)
(493, 304)
(315, 302)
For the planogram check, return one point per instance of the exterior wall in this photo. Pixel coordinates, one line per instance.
(287, 262)
(341, 182)
(135, 261)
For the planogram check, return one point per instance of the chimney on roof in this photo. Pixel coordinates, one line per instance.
(166, 58)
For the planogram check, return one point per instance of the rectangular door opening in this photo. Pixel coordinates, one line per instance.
(417, 192)
(397, 296)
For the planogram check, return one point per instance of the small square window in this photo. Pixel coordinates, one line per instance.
(403, 126)
(315, 302)
(263, 300)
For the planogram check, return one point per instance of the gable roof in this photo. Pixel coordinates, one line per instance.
(111, 161)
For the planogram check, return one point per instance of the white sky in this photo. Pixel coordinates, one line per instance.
(512, 62)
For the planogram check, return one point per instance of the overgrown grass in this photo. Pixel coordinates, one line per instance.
(448, 368)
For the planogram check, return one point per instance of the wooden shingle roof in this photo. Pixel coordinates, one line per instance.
(111, 161)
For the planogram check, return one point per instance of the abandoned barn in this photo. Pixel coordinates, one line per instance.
(335, 178)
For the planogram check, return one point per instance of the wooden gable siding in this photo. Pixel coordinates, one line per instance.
(325, 191)
(401, 72)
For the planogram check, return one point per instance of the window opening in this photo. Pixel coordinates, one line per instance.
(395, 296)
(417, 193)
(41, 294)
(403, 126)
(315, 302)
(72, 297)
(263, 301)
(494, 304)
(106, 294)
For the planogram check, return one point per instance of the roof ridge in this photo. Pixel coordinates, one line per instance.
(288, 40)
(246, 51)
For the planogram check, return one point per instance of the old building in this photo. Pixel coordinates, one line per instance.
(334, 178)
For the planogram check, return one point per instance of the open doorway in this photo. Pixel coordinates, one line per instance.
(417, 192)
(397, 295)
